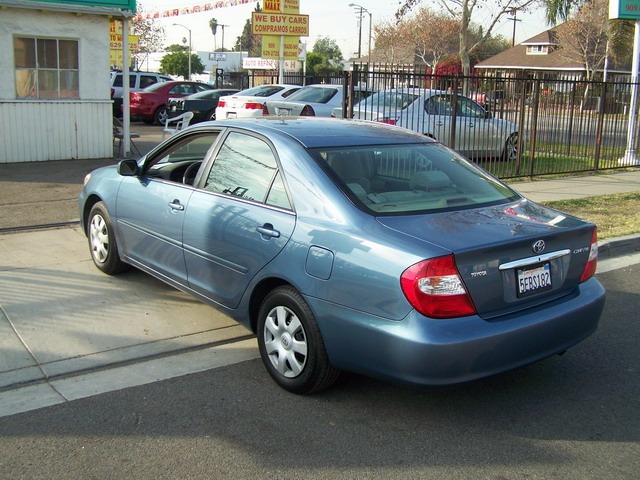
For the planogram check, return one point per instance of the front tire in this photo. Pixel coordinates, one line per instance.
(510, 152)
(102, 241)
(291, 344)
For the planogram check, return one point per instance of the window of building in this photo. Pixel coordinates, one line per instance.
(537, 50)
(46, 68)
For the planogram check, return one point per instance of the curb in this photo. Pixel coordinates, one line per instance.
(620, 246)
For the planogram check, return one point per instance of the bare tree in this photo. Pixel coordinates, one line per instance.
(462, 11)
(391, 43)
(151, 38)
(585, 36)
(434, 36)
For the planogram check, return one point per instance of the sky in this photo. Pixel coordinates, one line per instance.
(327, 18)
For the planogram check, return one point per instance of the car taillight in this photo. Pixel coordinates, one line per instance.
(592, 262)
(112, 92)
(265, 110)
(435, 289)
(253, 106)
(222, 103)
(307, 111)
(387, 120)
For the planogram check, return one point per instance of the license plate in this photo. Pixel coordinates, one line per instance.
(534, 280)
(232, 115)
(283, 112)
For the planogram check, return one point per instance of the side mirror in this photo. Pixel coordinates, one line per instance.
(487, 113)
(128, 167)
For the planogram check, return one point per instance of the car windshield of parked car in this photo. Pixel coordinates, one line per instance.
(417, 178)
(389, 100)
(314, 94)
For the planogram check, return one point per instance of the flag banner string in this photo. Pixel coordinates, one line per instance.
(204, 7)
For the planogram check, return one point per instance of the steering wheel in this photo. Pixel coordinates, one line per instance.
(190, 173)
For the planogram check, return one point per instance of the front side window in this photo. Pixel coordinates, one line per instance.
(246, 167)
(46, 68)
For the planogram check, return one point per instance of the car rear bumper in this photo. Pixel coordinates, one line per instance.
(420, 351)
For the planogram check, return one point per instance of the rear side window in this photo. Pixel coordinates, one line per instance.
(146, 80)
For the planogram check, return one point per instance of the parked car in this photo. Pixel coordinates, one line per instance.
(250, 102)
(430, 112)
(350, 245)
(202, 104)
(150, 105)
(137, 81)
(313, 100)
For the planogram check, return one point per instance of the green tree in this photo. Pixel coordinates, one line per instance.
(329, 49)
(176, 62)
(249, 42)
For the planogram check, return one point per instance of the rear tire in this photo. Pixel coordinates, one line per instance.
(211, 114)
(102, 241)
(291, 344)
(161, 115)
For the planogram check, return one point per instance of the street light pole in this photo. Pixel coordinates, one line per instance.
(189, 56)
(361, 10)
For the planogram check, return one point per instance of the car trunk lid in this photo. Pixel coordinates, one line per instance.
(510, 257)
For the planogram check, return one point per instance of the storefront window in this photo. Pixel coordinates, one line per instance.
(46, 68)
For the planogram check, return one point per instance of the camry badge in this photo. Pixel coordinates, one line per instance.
(538, 247)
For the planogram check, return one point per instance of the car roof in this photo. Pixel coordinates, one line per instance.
(316, 132)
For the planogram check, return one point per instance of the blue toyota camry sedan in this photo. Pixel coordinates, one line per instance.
(350, 245)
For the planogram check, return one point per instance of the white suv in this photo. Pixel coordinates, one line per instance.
(137, 81)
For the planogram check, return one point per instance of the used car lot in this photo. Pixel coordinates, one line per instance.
(421, 275)
(439, 114)
(150, 104)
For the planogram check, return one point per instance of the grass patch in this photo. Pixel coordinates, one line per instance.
(616, 215)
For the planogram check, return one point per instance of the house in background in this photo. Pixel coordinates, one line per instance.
(541, 57)
(54, 84)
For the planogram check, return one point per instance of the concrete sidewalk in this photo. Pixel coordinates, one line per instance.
(60, 317)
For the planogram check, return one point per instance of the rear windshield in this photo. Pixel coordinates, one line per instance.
(401, 179)
(261, 91)
(314, 94)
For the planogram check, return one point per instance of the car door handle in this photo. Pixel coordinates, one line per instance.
(176, 205)
(268, 231)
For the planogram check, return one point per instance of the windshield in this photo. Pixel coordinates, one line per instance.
(401, 179)
(314, 94)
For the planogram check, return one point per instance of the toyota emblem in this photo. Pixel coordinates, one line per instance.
(538, 247)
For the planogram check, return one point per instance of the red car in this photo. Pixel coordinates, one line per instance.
(150, 104)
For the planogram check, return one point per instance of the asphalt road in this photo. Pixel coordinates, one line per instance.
(569, 417)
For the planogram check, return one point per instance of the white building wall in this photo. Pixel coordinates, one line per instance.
(38, 130)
